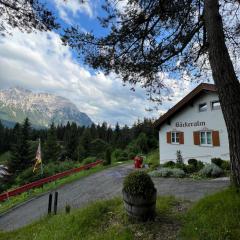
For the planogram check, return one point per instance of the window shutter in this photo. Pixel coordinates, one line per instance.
(196, 138)
(168, 137)
(215, 138)
(181, 138)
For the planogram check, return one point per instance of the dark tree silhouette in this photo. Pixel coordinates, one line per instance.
(179, 36)
(51, 147)
(26, 15)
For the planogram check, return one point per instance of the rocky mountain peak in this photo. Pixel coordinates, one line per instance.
(41, 108)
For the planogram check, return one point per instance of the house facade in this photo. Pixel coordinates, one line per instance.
(195, 126)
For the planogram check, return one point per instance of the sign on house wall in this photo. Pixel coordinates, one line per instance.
(190, 124)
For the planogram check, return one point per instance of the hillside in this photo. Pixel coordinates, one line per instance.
(41, 108)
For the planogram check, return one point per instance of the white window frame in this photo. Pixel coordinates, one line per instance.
(206, 139)
(174, 137)
(213, 109)
(204, 103)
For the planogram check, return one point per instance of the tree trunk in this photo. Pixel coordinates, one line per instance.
(226, 82)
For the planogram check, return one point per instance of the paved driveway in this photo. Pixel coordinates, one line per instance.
(103, 185)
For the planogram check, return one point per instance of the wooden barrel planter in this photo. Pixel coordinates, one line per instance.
(140, 208)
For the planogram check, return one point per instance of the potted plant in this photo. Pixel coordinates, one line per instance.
(139, 196)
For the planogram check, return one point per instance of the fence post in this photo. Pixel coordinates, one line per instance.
(55, 202)
(50, 203)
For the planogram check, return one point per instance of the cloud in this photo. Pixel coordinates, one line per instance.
(68, 10)
(39, 62)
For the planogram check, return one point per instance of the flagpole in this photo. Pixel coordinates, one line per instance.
(41, 157)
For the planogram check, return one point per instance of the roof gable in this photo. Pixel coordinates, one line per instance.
(203, 87)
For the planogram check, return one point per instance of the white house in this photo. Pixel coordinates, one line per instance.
(195, 126)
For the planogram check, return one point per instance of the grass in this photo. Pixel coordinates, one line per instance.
(13, 201)
(103, 220)
(214, 217)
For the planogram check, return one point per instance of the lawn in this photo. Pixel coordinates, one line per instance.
(105, 220)
(214, 217)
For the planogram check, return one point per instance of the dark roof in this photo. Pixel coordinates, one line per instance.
(203, 87)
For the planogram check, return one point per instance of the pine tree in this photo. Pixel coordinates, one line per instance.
(117, 134)
(15, 162)
(142, 142)
(21, 154)
(51, 147)
(73, 142)
(26, 129)
(26, 151)
(97, 148)
(1, 138)
(85, 141)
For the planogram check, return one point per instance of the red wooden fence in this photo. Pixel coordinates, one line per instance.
(42, 181)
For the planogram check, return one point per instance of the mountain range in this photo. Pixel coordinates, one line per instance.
(41, 108)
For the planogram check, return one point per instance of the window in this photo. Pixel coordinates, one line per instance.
(175, 137)
(215, 105)
(206, 138)
(202, 107)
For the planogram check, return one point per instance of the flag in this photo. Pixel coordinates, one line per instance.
(38, 158)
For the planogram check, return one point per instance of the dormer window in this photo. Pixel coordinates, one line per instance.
(215, 105)
(202, 107)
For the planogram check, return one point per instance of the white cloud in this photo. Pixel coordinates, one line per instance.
(68, 10)
(39, 62)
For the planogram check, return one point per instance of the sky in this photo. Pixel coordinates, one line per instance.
(39, 62)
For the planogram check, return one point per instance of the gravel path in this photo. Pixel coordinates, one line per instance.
(103, 185)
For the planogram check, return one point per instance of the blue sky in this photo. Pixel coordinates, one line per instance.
(39, 62)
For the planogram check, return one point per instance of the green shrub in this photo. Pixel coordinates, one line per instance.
(169, 164)
(116, 153)
(48, 170)
(139, 183)
(180, 166)
(27, 176)
(168, 172)
(211, 170)
(178, 173)
(132, 149)
(217, 161)
(131, 155)
(89, 160)
(193, 166)
(190, 168)
(66, 165)
(123, 156)
(200, 165)
(225, 165)
(193, 162)
(162, 172)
